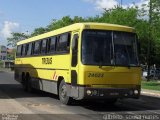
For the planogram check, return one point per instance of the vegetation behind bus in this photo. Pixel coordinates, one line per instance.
(133, 16)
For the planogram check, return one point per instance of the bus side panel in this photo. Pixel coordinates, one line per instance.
(44, 76)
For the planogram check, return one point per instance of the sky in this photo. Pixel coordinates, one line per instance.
(26, 15)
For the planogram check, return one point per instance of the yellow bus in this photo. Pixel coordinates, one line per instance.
(81, 61)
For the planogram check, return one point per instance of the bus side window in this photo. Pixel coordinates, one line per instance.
(32, 51)
(75, 43)
(28, 53)
(44, 46)
(26, 49)
(21, 54)
(75, 50)
(18, 53)
(52, 43)
(68, 41)
(63, 43)
(37, 48)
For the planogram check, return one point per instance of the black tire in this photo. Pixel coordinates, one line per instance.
(24, 82)
(62, 92)
(29, 84)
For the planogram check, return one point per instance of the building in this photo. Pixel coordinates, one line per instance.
(3, 52)
(10, 53)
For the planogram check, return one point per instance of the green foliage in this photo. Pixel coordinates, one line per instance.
(55, 24)
(1, 64)
(151, 85)
(11, 55)
(77, 19)
(15, 38)
(121, 16)
(154, 36)
(38, 31)
(133, 17)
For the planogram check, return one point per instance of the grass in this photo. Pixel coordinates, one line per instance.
(1, 63)
(151, 85)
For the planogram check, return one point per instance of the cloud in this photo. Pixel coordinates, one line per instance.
(139, 4)
(101, 4)
(108, 4)
(7, 28)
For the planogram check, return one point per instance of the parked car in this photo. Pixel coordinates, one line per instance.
(154, 74)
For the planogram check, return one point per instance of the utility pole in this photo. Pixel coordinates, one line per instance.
(149, 40)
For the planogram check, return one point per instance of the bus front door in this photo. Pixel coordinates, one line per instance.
(74, 65)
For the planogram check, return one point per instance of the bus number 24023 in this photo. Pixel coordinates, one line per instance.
(100, 75)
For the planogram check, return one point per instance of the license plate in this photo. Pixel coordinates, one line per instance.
(115, 94)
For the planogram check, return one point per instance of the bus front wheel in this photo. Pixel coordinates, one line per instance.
(63, 94)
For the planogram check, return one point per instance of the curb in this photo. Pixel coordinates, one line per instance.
(152, 93)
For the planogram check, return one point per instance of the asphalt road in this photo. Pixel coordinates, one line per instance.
(20, 105)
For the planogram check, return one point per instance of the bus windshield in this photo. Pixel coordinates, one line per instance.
(109, 48)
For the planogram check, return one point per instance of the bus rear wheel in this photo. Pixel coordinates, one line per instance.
(29, 84)
(24, 82)
(63, 94)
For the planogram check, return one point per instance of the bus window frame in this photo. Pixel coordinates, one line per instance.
(39, 48)
(67, 50)
(47, 53)
(45, 48)
(49, 45)
(30, 43)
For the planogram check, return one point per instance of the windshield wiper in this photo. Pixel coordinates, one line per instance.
(100, 63)
(129, 66)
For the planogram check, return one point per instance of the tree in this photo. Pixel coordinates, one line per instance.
(131, 16)
(38, 31)
(154, 20)
(55, 24)
(119, 15)
(15, 38)
(11, 54)
(77, 19)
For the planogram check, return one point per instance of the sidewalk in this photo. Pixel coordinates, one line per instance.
(153, 93)
(6, 70)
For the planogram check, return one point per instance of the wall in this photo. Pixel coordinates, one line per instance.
(3, 52)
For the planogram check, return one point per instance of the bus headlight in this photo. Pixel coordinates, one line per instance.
(135, 92)
(89, 92)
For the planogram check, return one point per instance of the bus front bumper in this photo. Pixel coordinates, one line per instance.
(104, 93)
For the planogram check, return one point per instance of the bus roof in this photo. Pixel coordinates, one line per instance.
(78, 26)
